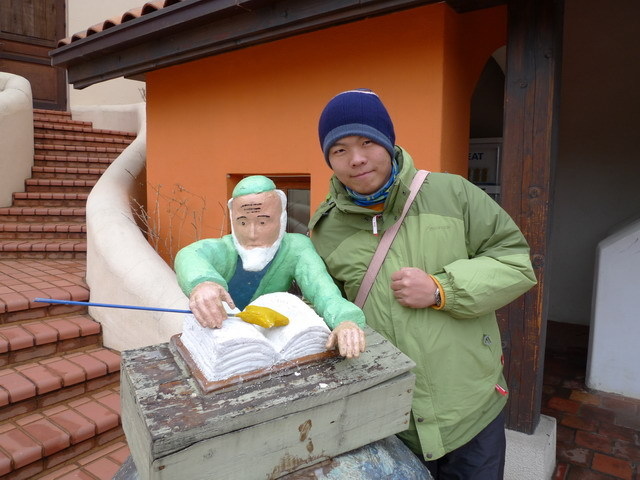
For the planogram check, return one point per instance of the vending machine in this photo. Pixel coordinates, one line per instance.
(484, 165)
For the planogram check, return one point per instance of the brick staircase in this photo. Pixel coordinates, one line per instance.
(59, 387)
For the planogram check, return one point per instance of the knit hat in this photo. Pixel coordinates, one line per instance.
(253, 184)
(355, 112)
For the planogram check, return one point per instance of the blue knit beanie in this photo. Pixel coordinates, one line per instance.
(355, 112)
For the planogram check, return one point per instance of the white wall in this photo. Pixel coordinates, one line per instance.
(84, 14)
(613, 341)
(16, 139)
(598, 166)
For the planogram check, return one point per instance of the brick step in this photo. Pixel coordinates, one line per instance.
(22, 230)
(40, 278)
(68, 128)
(80, 173)
(45, 382)
(42, 440)
(80, 140)
(16, 308)
(26, 341)
(103, 462)
(78, 150)
(52, 115)
(53, 185)
(43, 214)
(49, 199)
(38, 311)
(59, 249)
(59, 119)
(71, 161)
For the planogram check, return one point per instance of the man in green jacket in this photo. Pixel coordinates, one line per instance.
(258, 258)
(456, 259)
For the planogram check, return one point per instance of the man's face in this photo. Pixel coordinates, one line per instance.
(256, 219)
(360, 164)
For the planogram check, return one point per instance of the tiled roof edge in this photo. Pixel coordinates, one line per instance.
(134, 13)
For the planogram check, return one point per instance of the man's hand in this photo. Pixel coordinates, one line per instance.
(350, 340)
(413, 288)
(205, 302)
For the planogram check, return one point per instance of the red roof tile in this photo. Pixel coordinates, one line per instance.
(134, 13)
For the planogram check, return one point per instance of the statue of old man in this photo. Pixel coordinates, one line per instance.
(259, 257)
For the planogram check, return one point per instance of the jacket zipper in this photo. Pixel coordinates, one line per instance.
(374, 224)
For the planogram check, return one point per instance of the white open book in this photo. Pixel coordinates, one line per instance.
(239, 347)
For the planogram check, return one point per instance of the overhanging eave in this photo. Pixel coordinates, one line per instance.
(190, 30)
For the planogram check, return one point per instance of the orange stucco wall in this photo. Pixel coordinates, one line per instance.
(255, 110)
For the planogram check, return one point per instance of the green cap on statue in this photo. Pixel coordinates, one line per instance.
(253, 184)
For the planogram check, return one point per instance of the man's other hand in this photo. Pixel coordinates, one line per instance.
(350, 340)
(413, 288)
(205, 302)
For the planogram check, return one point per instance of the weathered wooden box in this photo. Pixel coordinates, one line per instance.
(265, 428)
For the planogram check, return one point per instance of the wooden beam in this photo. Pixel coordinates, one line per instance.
(529, 148)
(462, 6)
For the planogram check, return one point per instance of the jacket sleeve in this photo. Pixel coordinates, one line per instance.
(208, 260)
(498, 268)
(319, 288)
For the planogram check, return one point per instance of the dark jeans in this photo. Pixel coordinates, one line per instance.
(480, 459)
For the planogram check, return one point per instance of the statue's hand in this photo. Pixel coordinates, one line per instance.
(350, 340)
(206, 304)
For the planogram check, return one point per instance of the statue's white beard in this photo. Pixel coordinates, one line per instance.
(255, 259)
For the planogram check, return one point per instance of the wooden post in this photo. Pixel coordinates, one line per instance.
(529, 146)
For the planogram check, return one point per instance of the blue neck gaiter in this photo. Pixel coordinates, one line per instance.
(378, 196)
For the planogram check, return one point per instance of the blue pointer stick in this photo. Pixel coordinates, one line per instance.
(109, 305)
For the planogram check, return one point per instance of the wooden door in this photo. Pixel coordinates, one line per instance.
(28, 30)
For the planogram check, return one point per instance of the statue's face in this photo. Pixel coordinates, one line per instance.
(256, 219)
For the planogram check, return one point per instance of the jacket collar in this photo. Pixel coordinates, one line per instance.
(339, 198)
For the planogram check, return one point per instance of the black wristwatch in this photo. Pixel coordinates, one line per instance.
(437, 297)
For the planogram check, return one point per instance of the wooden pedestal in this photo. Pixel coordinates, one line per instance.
(267, 427)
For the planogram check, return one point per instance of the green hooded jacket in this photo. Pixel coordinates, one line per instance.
(458, 234)
(215, 260)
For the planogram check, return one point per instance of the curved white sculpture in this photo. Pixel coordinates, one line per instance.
(122, 267)
(16, 139)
